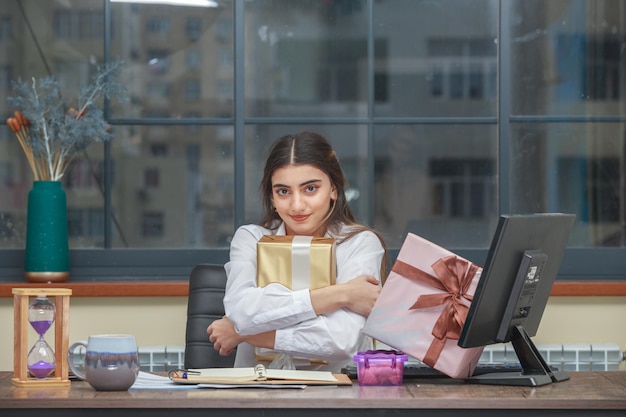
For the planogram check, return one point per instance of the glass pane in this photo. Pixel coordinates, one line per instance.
(40, 39)
(172, 193)
(164, 195)
(573, 168)
(306, 58)
(180, 59)
(349, 142)
(83, 183)
(568, 57)
(15, 183)
(435, 58)
(439, 182)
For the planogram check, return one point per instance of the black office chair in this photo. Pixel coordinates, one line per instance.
(205, 304)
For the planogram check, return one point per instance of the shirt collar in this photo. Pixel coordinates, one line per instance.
(281, 231)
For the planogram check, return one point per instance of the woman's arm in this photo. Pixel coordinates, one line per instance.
(324, 300)
(357, 295)
(224, 337)
(324, 322)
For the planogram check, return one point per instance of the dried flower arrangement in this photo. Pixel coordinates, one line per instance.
(52, 133)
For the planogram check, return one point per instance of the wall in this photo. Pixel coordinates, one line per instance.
(153, 321)
(161, 321)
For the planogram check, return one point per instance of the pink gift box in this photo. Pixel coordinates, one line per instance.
(423, 305)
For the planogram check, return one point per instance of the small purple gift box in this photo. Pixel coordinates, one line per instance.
(380, 367)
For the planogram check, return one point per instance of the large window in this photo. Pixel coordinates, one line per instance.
(444, 114)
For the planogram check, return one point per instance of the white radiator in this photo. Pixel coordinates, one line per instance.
(161, 358)
(566, 357)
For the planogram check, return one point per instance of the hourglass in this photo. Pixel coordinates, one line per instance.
(40, 309)
(41, 360)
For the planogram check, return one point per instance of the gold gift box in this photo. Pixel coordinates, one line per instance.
(284, 259)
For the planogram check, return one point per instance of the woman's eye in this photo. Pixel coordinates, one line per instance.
(311, 188)
(282, 192)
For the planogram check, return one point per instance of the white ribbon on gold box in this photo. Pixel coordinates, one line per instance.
(297, 262)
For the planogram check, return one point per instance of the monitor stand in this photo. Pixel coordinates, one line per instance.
(535, 370)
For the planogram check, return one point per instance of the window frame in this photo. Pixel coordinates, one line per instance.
(109, 264)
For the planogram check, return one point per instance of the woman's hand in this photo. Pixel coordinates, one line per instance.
(362, 294)
(223, 336)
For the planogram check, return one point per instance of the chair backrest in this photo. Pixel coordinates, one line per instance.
(205, 304)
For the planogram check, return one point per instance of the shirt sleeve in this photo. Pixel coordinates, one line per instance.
(299, 330)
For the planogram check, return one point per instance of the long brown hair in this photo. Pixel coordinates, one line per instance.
(310, 148)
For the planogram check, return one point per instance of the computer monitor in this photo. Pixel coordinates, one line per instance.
(512, 292)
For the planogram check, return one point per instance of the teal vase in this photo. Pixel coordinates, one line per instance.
(47, 257)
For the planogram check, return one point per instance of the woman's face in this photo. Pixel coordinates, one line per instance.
(301, 195)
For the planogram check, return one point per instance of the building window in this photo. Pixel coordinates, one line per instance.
(193, 28)
(159, 149)
(192, 90)
(463, 188)
(6, 29)
(603, 67)
(590, 67)
(85, 222)
(78, 25)
(225, 89)
(158, 26)
(225, 149)
(158, 90)
(151, 177)
(225, 57)
(223, 29)
(462, 69)
(72, 74)
(592, 188)
(193, 59)
(82, 175)
(152, 224)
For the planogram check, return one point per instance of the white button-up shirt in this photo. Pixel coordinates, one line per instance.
(334, 337)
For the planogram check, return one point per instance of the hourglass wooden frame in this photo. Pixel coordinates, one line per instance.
(21, 347)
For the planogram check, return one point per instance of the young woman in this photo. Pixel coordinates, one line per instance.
(303, 193)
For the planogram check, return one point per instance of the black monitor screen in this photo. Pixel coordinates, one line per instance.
(511, 295)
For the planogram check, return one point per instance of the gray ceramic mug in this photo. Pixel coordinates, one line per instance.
(111, 361)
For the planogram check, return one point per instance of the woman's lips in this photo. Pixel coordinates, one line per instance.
(300, 219)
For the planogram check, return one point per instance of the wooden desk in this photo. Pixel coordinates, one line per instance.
(585, 394)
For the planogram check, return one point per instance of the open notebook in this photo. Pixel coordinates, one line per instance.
(257, 375)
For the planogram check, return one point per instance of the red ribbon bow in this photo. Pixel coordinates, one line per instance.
(454, 278)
